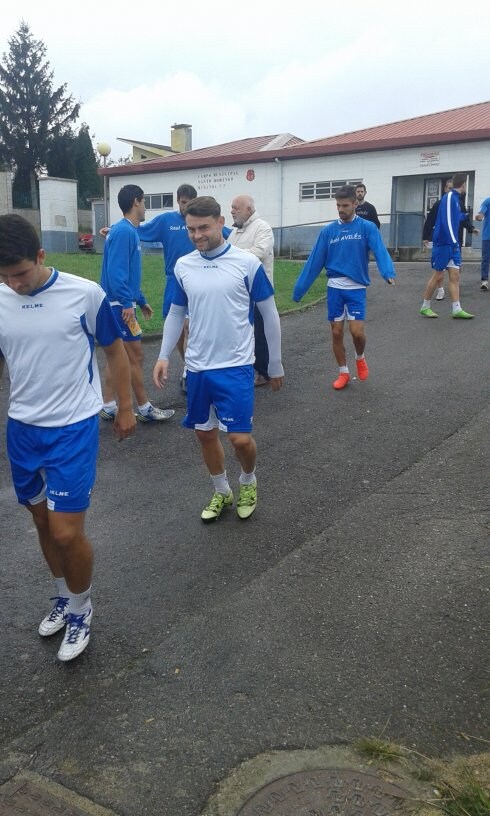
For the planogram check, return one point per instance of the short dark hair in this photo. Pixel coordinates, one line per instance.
(203, 206)
(186, 191)
(19, 240)
(459, 179)
(347, 191)
(361, 184)
(127, 195)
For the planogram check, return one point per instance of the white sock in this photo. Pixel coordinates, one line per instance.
(80, 603)
(61, 588)
(221, 484)
(360, 356)
(456, 306)
(143, 409)
(247, 478)
(110, 407)
(343, 369)
(426, 304)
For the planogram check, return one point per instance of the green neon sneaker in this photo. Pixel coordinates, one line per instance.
(215, 507)
(428, 312)
(462, 315)
(247, 501)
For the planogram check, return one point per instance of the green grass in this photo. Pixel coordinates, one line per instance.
(378, 750)
(470, 800)
(89, 265)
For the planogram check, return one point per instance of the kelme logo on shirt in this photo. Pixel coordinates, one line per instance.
(32, 305)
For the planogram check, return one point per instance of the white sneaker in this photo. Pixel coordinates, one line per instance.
(155, 414)
(440, 294)
(77, 635)
(56, 619)
(484, 286)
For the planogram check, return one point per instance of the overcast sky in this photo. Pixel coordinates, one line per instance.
(310, 68)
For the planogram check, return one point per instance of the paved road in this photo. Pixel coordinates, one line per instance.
(352, 603)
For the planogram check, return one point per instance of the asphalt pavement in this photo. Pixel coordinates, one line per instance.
(353, 603)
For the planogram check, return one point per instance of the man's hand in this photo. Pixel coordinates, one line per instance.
(127, 315)
(160, 373)
(104, 231)
(276, 383)
(475, 231)
(124, 423)
(146, 311)
(479, 217)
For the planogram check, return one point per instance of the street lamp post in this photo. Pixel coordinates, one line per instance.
(104, 149)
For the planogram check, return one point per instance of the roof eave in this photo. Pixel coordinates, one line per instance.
(298, 152)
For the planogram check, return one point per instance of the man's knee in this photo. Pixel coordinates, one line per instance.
(135, 352)
(207, 438)
(337, 329)
(240, 441)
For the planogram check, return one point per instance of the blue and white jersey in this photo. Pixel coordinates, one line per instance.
(342, 248)
(220, 293)
(448, 220)
(47, 339)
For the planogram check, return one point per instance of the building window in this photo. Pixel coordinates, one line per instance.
(323, 190)
(159, 201)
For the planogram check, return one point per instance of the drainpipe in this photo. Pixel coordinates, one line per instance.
(279, 248)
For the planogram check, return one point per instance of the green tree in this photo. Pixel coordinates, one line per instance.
(89, 183)
(60, 159)
(32, 112)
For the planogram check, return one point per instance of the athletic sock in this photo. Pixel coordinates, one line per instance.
(80, 603)
(61, 588)
(360, 356)
(343, 369)
(456, 306)
(221, 484)
(110, 407)
(143, 409)
(426, 304)
(247, 478)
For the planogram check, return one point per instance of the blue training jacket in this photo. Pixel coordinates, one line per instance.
(342, 248)
(121, 266)
(169, 229)
(449, 217)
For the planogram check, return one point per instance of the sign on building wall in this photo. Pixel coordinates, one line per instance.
(216, 179)
(429, 158)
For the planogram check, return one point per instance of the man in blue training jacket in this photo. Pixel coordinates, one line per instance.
(446, 251)
(342, 248)
(121, 281)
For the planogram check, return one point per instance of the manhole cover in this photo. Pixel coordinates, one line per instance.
(23, 798)
(328, 792)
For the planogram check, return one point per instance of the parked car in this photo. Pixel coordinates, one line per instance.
(86, 242)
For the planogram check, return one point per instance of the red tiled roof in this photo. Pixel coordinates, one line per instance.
(227, 153)
(469, 123)
(466, 124)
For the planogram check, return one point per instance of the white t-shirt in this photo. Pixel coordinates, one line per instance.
(220, 293)
(48, 339)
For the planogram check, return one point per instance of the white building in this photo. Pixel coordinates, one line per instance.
(403, 165)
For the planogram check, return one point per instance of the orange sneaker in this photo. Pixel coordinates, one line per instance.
(362, 369)
(341, 381)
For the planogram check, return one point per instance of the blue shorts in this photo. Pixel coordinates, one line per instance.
(346, 304)
(221, 398)
(444, 257)
(130, 332)
(58, 464)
